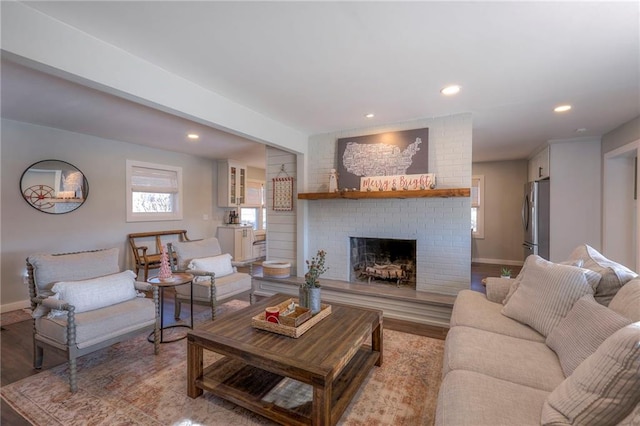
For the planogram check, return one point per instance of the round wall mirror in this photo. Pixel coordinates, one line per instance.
(54, 186)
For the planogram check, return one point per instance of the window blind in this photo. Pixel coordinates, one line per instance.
(475, 192)
(144, 179)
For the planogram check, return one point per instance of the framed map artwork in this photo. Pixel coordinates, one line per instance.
(385, 154)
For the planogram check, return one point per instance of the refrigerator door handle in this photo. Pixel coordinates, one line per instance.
(525, 213)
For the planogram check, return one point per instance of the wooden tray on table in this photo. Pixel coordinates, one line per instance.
(293, 325)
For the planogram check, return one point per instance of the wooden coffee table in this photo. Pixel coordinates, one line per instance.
(268, 373)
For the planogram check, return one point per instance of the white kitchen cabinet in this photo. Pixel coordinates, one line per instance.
(539, 166)
(232, 183)
(237, 241)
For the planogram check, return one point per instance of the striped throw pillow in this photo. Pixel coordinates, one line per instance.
(582, 331)
(604, 389)
(547, 292)
(614, 275)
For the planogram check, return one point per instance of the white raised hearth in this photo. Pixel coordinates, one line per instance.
(398, 303)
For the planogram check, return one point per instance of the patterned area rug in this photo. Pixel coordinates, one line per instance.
(127, 384)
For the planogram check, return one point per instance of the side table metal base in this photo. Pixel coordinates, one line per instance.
(177, 279)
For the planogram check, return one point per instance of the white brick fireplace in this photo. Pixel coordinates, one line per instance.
(440, 226)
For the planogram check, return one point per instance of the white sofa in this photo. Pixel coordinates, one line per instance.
(540, 349)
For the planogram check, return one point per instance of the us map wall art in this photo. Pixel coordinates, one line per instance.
(403, 152)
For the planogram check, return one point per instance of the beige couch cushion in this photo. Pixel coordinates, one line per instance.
(614, 275)
(467, 398)
(547, 291)
(626, 302)
(604, 389)
(582, 331)
(498, 288)
(520, 361)
(472, 309)
(226, 286)
(101, 324)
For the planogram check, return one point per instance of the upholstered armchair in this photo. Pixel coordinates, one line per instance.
(82, 302)
(216, 278)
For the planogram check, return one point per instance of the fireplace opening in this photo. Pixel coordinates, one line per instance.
(383, 260)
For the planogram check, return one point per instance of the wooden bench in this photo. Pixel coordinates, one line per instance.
(143, 257)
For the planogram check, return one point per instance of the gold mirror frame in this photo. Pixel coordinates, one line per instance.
(54, 186)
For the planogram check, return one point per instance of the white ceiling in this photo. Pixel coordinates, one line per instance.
(321, 66)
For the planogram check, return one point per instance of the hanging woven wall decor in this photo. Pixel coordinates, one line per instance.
(283, 191)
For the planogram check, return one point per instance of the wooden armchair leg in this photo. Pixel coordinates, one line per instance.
(212, 302)
(38, 355)
(156, 328)
(73, 375)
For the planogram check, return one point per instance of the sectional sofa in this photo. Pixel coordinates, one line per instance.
(557, 345)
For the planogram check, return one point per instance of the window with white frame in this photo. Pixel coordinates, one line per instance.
(154, 192)
(255, 212)
(477, 206)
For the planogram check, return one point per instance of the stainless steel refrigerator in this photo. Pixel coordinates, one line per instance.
(535, 218)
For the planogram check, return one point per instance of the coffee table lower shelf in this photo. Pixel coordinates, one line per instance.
(258, 390)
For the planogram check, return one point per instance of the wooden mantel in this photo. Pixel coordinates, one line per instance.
(358, 195)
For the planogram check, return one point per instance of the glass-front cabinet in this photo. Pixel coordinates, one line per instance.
(232, 183)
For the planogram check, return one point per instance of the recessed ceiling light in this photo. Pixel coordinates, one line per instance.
(562, 108)
(370, 115)
(193, 136)
(581, 130)
(450, 90)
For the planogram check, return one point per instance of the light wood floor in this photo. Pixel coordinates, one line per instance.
(16, 348)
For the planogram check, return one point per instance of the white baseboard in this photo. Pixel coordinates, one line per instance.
(15, 306)
(498, 261)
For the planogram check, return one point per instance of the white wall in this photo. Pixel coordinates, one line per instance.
(503, 236)
(441, 226)
(100, 222)
(576, 181)
(281, 225)
(621, 220)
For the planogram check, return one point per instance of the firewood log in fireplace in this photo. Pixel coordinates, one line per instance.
(386, 272)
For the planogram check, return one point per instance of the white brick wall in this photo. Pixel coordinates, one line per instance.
(441, 226)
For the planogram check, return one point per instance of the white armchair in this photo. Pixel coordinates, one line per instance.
(216, 278)
(82, 302)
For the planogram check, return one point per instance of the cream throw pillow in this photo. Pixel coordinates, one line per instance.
(602, 390)
(626, 302)
(582, 331)
(96, 293)
(546, 292)
(614, 275)
(220, 265)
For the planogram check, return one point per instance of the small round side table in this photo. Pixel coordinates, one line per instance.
(175, 280)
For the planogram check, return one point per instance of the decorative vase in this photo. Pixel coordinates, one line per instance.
(303, 296)
(309, 297)
(314, 300)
